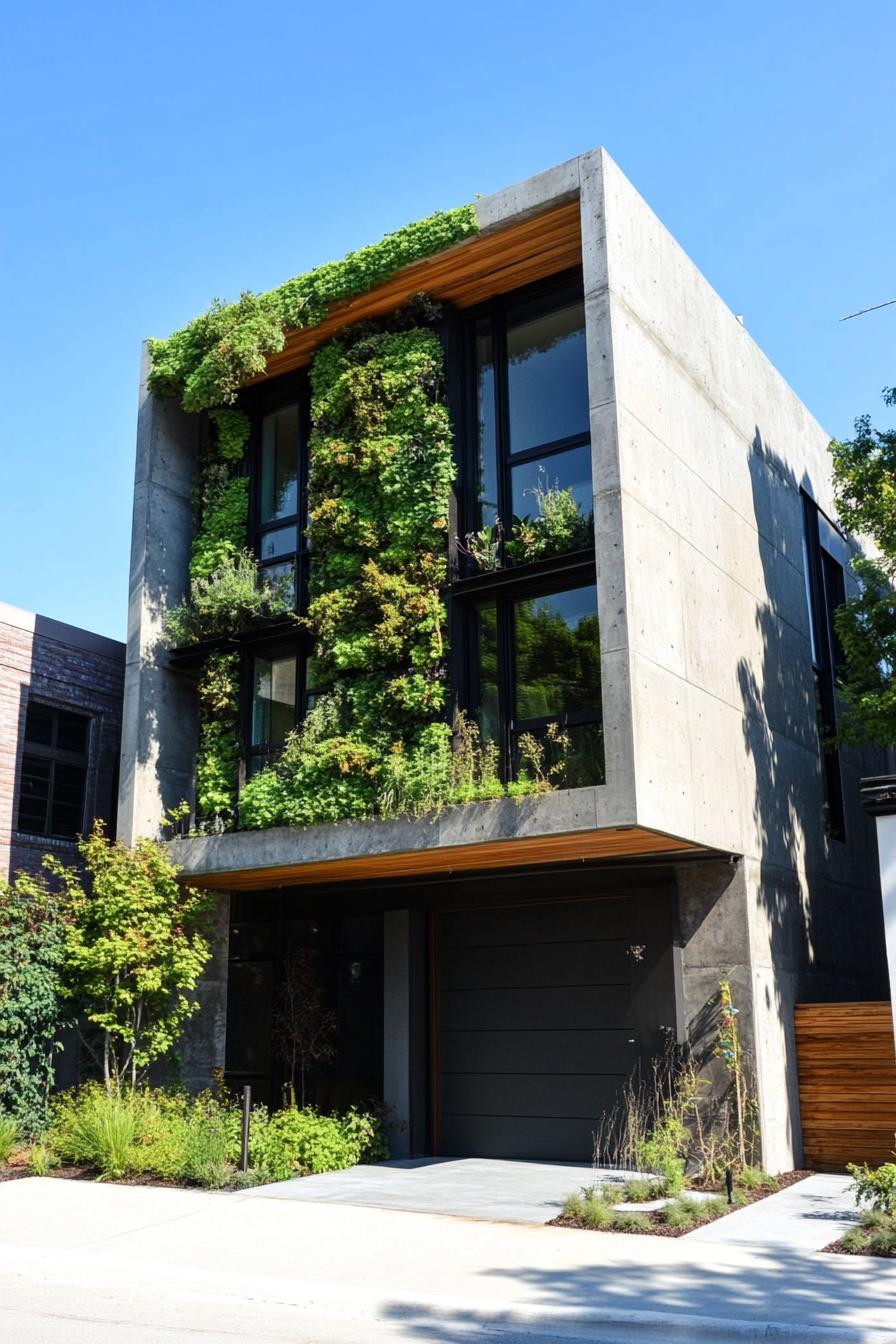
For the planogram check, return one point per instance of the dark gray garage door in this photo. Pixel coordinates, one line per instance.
(535, 1036)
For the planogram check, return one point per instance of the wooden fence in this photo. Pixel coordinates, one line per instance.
(847, 1073)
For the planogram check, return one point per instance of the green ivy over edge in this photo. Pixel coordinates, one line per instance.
(205, 363)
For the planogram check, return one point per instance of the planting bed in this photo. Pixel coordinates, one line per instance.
(653, 1222)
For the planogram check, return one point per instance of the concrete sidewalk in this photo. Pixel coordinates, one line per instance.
(805, 1217)
(160, 1265)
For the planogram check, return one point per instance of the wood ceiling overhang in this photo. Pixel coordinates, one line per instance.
(522, 852)
(489, 263)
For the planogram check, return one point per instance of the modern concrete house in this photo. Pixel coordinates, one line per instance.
(498, 968)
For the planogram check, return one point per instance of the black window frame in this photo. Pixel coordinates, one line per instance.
(54, 755)
(291, 389)
(281, 636)
(825, 591)
(557, 291)
(512, 582)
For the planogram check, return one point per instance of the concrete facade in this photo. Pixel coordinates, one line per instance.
(67, 668)
(699, 453)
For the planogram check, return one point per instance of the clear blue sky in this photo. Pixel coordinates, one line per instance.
(156, 156)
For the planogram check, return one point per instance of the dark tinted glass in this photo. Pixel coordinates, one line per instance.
(547, 375)
(279, 488)
(557, 654)
(584, 758)
(552, 503)
(34, 794)
(282, 541)
(71, 732)
(273, 699)
(487, 671)
(67, 811)
(39, 725)
(485, 405)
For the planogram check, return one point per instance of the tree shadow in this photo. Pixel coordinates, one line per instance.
(787, 1288)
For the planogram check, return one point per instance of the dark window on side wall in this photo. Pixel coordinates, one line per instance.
(53, 778)
(825, 592)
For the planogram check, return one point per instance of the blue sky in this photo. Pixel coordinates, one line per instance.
(155, 157)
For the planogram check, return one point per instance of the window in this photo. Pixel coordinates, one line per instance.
(825, 592)
(53, 781)
(532, 452)
(275, 674)
(529, 633)
(279, 482)
(537, 663)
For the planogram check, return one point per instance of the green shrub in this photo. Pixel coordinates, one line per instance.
(681, 1213)
(874, 1186)
(298, 1142)
(91, 1127)
(640, 1190)
(42, 1160)
(627, 1222)
(228, 599)
(573, 1206)
(661, 1152)
(9, 1135)
(597, 1212)
(754, 1178)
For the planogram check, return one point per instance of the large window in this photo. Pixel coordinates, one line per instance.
(525, 601)
(53, 779)
(278, 671)
(825, 592)
(532, 454)
(279, 494)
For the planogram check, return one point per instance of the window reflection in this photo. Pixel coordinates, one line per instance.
(547, 376)
(557, 647)
(279, 484)
(273, 699)
(487, 709)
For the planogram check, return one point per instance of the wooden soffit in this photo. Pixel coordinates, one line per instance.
(470, 272)
(632, 842)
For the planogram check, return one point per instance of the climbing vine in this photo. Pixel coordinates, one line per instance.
(206, 363)
(381, 472)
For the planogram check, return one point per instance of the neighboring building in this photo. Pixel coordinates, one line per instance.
(500, 968)
(61, 694)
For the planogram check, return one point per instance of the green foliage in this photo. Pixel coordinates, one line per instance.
(233, 429)
(135, 946)
(222, 535)
(876, 1235)
(631, 1222)
(228, 600)
(9, 1137)
(663, 1152)
(205, 363)
(32, 1007)
(558, 526)
(96, 1128)
(754, 1178)
(865, 488)
(217, 761)
(297, 1142)
(874, 1186)
(41, 1159)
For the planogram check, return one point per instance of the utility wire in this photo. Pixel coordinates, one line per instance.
(868, 310)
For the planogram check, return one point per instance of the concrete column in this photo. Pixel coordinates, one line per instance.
(159, 729)
(879, 798)
(404, 1034)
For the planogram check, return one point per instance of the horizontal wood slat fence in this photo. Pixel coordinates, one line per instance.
(847, 1073)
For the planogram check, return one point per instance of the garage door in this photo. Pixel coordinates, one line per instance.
(535, 1035)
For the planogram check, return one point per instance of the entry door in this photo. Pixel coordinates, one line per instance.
(535, 1031)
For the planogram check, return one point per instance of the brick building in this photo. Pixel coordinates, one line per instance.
(60, 728)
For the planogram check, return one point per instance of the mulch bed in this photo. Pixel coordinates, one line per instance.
(17, 1173)
(658, 1228)
(837, 1248)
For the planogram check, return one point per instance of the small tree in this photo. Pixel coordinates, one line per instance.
(305, 1029)
(32, 1007)
(865, 486)
(136, 943)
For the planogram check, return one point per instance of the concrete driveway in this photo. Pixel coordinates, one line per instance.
(514, 1192)
(82, 1263)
